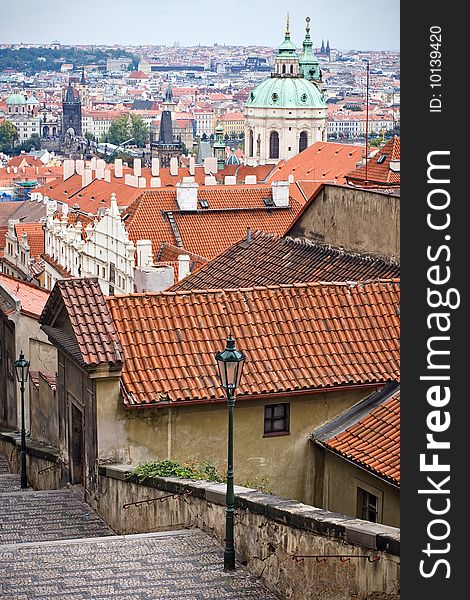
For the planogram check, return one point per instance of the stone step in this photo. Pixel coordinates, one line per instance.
(172, 565)
(4, 469)
(9, 483)
(31, 516)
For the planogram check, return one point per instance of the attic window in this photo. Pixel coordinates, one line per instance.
(381, 159)
(204, 203)
(268, 201)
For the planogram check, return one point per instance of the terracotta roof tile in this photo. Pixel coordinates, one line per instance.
(296, 337)
(373, 441)
(271, 260)
(378, 169)
(35, 237)
(31, 297)
(94, 332)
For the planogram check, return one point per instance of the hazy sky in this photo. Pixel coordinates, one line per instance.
(359, 24)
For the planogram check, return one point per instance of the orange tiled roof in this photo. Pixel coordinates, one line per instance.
(35, 235)
(296, 337)
(31, 297)
(378, 170)
(271, 260)
(209, 231)
(373, 440)
(94, 340)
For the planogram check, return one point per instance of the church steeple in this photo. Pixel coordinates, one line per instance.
(168, 102)
(286, 61)
(309, 66)
(83, 80)
(322, 49)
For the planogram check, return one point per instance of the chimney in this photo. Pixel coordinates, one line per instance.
(173, 165)
(186, 195)
(155, 167)
(101, 164)
(395, 165)
(131, 180)
(210, 165)
(107, 175)
(68, 168)
(144, 253)
(142, 182)
(210, 180)
(155, 182)
(250, 179)
(15, 169)
(118, 167)
(137, 167)
(183, 266)
(100, 173)
(93, 162)
(192, 165)
(87, 177)
(79, 166)
(230, 180)
(8, 169)
(280, 190)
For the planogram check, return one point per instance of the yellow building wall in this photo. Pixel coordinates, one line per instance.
(199, 433)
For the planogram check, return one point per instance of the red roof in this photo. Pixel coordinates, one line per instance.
(138, 75)
(31, 297)
(208, 231)
(35, 236)
(94, 340)
(296, 337)
(374, 440)
(378, 171)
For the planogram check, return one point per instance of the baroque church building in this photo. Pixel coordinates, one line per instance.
(287, 112)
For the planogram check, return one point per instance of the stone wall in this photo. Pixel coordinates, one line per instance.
(355, 219)
(272, 535)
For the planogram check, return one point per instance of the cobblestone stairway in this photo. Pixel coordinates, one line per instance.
(53, 546)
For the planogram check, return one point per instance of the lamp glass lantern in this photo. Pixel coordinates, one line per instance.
(22, 368)
(230, 363)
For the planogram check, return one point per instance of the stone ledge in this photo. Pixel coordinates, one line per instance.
(33, 448)
(282, 510)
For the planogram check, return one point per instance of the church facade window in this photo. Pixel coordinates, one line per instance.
(303, 141)
(274, 145)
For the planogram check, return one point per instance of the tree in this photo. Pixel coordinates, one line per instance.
(8, 135)
(119, 130)
(32, 143)
(126, 127)
(139, 131)
(89, 136)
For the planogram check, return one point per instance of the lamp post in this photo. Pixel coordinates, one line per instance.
(22, 372)
(230, 363)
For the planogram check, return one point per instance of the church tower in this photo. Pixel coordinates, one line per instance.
(287, 112)
(71, 113)
(166, 147)
(309, 66)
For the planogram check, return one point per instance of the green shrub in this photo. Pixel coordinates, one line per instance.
(170, 468)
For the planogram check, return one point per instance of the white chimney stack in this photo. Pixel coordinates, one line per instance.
(280, 190)
(186, 195)
(155, 167)
(107, 175)
(250, 179)
(118, 167)
(230, 180)
(155, 182)
(93, 162)
(395, 165)
(183, 266)
(144, 253)
(137, 167)
(87, 177)
(210, 165)
(79, 166)
(173, 165)
(101, 164)
(100, 173)
(68, 168)
(192, 166)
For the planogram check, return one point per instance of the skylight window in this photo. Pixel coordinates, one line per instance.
(381, 159)
(204, 203)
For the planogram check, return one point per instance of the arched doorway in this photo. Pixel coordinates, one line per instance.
(54, 131)
(303, 141)
(45, 131)
(274, 145)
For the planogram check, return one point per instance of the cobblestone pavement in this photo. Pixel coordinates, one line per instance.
(52, 548)
(3, 465)
(178, 565)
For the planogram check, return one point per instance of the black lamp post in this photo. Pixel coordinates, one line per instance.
(230, 363)
(22, 372)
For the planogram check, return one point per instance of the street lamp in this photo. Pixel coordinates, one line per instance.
(230, 363)
(22, 372)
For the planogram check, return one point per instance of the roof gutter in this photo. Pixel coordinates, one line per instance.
(267, 396)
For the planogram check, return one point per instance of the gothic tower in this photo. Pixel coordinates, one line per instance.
(71, 113)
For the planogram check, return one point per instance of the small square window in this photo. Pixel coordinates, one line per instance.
(367, 505)
(276, 419)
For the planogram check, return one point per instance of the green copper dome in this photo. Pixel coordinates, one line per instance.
(16, 99)
(286, 92)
